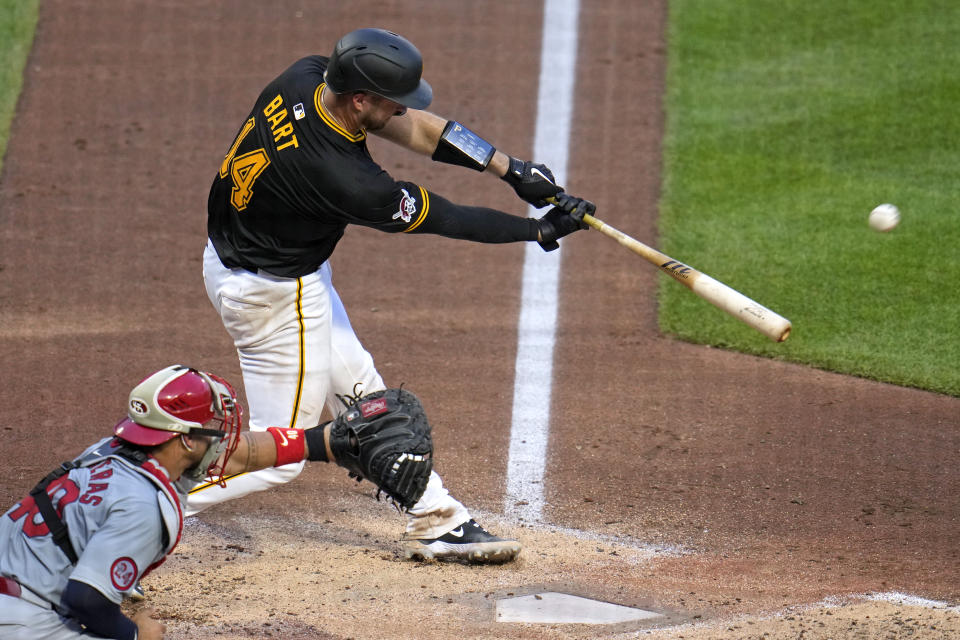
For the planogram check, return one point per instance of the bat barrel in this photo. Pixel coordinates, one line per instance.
(754, 314)
(748, 311)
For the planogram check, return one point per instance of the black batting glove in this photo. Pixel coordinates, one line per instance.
(533, 182)
(563, 219)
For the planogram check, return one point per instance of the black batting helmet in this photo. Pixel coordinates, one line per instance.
(380, 62)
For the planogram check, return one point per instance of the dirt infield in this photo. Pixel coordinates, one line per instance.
(740, 497)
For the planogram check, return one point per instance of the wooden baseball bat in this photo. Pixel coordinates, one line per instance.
(767, 322)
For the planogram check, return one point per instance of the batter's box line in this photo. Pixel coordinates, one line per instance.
(896, 597)
(830, 602)
(888, 597)
(627, 542)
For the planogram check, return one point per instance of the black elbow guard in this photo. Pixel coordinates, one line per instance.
(462, 147)
(94, 611)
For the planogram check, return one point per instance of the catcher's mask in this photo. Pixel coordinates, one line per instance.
(178, 401)
(381, 62)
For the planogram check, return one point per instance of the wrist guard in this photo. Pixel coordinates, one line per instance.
(514, 174)
(462, 147)
(289, 445)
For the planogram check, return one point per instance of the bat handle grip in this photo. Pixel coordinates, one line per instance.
(587, 218)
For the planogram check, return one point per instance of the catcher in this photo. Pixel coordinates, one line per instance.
(79, 543)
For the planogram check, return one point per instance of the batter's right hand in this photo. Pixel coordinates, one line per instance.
(533, 182)
(148, 627)
(563, 219)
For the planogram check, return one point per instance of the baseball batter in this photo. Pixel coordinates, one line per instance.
(296, 174)
(73, 549)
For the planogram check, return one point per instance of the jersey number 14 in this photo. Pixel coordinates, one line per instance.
(244, 169)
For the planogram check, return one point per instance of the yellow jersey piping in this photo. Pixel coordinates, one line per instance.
(326, 117)
(425, 199)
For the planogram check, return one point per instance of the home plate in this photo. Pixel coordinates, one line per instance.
(559, 608)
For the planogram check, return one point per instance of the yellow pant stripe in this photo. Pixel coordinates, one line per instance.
(207, 485)
(302, 363)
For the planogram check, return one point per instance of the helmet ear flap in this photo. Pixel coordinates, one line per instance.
(201, 470)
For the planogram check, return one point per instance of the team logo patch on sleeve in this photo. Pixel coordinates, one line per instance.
(373, 407)
(123, 573)
(408, 207)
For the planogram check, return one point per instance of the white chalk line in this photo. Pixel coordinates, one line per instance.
(895, 597)
(536, 327)
(616, 540)
(830, 602)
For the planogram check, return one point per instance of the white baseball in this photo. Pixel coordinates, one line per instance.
(884, 218)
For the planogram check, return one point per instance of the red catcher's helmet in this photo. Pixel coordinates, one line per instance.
(180, 400)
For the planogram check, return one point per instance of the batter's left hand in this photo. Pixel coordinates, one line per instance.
(563, 219)
(533, 182)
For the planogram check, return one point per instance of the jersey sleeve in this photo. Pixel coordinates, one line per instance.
(373, 199)
(406, 207)
(127, 544)
(477, 224)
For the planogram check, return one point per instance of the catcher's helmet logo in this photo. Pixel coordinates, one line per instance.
(408, 207)
(138, 406)
(123, 573)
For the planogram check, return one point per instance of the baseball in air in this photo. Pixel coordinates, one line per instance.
(884, 218)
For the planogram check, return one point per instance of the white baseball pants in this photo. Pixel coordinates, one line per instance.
(297, 352)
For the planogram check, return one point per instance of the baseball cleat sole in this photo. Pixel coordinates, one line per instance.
(475, 553)
(469, 543)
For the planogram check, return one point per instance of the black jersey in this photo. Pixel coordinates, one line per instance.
(294, 179)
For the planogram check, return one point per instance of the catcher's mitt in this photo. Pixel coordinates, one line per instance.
(384, 437)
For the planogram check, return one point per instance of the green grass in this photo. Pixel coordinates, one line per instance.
(18, 18)
(787, 122)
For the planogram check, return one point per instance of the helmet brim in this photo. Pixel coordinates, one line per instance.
(419, 98)
(132, 432)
